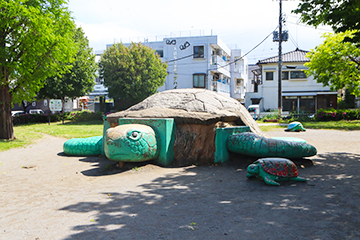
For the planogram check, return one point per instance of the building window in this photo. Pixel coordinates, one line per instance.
(199, 80)
(297, 74)
(198, 51)
(285, 75)
(160, 53)
(290, 104)
(269, 76)
(307, 104)
(45, 103)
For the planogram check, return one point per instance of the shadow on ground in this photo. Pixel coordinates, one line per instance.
(219, 202)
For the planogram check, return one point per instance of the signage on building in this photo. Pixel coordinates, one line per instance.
(55, 105)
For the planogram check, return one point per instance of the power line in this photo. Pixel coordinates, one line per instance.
(181, 58)
(292, 38)
(250, 50)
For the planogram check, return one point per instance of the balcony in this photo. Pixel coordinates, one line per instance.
(219, 63)
(240, 90)
(220, 86)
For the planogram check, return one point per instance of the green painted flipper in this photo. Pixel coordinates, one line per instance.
(83, 146)
(251, 144)
(291, 139)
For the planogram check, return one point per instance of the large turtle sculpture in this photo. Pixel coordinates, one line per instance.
(274, 170)
(182, 127)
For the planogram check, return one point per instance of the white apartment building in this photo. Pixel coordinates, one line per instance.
(202, 62)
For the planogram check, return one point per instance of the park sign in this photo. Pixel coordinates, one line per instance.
(55, 105)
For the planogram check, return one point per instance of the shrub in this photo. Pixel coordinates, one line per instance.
(271, 116)
(85, 116)
(336, 115)
(36, 118)
(79, 116)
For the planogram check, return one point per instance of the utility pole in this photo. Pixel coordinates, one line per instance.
(280, 61)
(280, 37)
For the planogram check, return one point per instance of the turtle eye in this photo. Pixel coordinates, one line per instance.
(134, 135)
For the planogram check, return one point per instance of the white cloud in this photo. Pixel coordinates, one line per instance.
(241, 23)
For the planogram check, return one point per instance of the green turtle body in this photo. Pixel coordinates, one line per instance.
(274, 170)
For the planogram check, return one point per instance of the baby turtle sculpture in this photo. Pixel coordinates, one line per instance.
(190, 126)
(295, 127)
(274, 170)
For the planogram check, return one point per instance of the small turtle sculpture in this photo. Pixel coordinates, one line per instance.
(274, 170)
(183, 127)
(295, 127)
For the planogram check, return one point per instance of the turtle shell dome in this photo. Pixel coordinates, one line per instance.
(279, 167)
(198, 106)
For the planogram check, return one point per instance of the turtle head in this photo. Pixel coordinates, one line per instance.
(253, 169)
(131, 143)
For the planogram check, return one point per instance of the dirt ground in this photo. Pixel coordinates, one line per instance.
(46, 195)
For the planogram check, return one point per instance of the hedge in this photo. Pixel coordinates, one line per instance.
(79, 116)
(337, 114)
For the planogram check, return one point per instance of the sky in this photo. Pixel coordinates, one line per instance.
(241, 24)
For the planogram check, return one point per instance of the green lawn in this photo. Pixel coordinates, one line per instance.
(338, 125)
(27, 134)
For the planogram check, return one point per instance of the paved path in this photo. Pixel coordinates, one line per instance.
(45, 195)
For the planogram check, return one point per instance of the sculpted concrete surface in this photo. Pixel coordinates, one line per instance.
(46, 195)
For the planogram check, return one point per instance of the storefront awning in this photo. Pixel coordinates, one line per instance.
(288, 94)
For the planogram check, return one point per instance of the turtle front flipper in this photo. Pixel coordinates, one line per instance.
(251, 144)
(269, 181)
(83, 146)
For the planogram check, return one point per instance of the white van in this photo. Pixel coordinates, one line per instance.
(254, 110)
(36, 111)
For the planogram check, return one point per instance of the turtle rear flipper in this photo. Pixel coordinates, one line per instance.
(269, 181)
(298, 179)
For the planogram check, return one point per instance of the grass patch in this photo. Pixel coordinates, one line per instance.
(267, 128)
(338, 125)
(29, 133)
(331, 125)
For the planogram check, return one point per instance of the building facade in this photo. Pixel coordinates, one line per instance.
(300, 94)
(202, 62)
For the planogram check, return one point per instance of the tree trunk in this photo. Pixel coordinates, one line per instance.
(6, 123)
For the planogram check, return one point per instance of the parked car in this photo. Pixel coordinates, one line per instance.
(36, 111)
(16, 113)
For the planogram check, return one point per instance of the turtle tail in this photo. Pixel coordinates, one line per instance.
(83, 146)
(251, 144)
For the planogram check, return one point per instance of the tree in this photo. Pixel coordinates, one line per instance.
(131, 73)
(79, 79)
(341, 15)
(336, 63)
(35, 37)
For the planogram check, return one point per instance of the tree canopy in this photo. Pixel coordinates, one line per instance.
(341, 15)
(35, 38)
(336, 63)
(131, 73)
(79, 79)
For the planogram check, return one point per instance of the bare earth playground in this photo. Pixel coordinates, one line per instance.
(46, 195)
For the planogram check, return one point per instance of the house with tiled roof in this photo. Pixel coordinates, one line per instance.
(300, 94)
